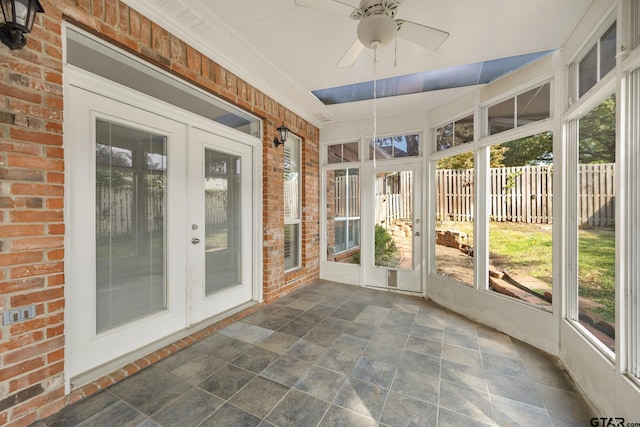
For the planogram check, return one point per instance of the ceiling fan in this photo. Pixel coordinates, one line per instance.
(378, 26)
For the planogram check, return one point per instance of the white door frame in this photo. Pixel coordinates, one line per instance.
(75, 79)
(409, 280)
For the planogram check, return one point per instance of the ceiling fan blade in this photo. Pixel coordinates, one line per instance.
(427, 37)
(351, 55)
(331, 6)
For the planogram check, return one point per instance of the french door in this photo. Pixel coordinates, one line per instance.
(160, 227)
(392, 252)
(221, 177)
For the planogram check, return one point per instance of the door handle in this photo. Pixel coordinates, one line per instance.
(195, 240)
(418, 233)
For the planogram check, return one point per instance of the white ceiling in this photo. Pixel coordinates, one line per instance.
(287, 51)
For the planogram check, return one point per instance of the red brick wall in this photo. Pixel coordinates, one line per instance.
(32, 223)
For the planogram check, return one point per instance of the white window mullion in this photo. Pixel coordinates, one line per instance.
(632, 184)
(571, 177)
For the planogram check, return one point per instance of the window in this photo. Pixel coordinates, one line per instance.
(520, 205)
(528, 107)
(292, 202)
(392, 147)
(343, 215)
(598, 61)
(455, 217)
(596, 221)
(456, 133)
(341, 153)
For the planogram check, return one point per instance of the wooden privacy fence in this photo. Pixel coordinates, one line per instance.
(347, 196)
(525, 194)
(116, 209)
(393, 197)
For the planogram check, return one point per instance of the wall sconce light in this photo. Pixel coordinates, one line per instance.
(283, 133)
(18, 19)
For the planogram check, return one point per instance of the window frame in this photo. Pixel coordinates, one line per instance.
(294, 221)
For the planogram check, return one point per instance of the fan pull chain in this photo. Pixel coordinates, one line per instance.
(375, 113)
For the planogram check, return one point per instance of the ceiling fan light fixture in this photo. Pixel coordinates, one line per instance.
(375, 31)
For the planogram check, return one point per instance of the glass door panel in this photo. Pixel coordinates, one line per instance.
(221, 206)
(393, 226)
(130, 182)
(222, 225)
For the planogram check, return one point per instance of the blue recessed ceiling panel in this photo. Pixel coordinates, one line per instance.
(444, 78)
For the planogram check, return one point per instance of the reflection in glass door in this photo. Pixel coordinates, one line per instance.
(221, 205)
(222, 227)
(130, 225)
(393, 227)
(392, 242)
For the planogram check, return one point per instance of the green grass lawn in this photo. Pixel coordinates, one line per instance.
(526, 249)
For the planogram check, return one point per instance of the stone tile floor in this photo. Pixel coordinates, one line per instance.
(338, 355)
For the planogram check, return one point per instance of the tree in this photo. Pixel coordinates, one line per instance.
(597, 133)
(529, 151)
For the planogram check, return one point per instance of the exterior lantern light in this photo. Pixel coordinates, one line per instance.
(18, 19)
(283, 134)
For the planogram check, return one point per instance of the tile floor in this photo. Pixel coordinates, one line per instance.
(338, 355)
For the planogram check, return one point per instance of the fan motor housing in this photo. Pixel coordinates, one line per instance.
(377, 30)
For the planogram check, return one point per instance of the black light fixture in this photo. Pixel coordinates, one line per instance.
(18, 19)
(283, 133)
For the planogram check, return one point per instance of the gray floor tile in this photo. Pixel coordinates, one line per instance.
(286, 370)
(448, 418)
(298, 409)
(223, 347)
(339, 361)
(383, 352)
(362, 397)
(420, 362)
(322, 336)
(462, 355)
(296, 328)
(189, 409)
(427, 332)
(550, 374)
(374, 371)
(305, 350)
(150, 389)
(351, 343)
(424, 346)
(511, 413)
(562, 402)
(514, 389)
(507, 366)
(256, 359)
(397, 321)
(398, 339)
(316, 314)
(321, 383)
(402, 410)
(466, 401)
(253, 334)
(464, 375)
(340, 417)
(230, 416)
(353, 339)
(227, 381)
(179, 358)
(234, 328)
(119, 414)
(259, 396)
(199, 368)
(461, 339)
(82, 410)
(278, 342)
(418, 385)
